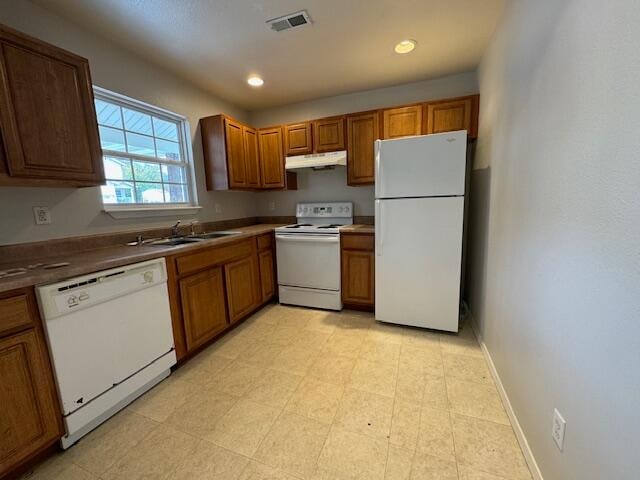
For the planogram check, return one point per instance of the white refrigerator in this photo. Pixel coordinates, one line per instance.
(420, 188)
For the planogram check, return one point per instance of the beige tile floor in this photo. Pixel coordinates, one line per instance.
(302, 394)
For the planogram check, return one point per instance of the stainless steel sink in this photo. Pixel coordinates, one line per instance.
(171, 241)
(209, 235)
(166, 242)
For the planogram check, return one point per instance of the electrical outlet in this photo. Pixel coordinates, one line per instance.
(42, 215)
(557, 430)
(218, 208)
(272, 205)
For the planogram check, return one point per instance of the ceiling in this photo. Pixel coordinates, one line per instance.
(216, 44)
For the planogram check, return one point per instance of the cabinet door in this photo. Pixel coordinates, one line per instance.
(241, 279)
(30, 412)
(267, 277)
(451, 115)
(47, 113)
(235, 154)
(203, 307)
(272, 173)
(251, 157)
(328, 135)
(358, 277)
(402, 122)
(362, 131)
(297, 139)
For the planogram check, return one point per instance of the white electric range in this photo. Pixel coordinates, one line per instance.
(308, 255)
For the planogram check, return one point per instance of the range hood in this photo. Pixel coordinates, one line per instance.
(317, 161)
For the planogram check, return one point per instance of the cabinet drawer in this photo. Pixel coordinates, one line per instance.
(265, 241)
(14, 313)
(213, 256)
(357, 242)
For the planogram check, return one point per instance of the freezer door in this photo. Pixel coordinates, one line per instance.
(423, 166)
(418, 261)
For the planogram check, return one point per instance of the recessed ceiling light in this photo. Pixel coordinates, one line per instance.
(405, 46)
(255, 81)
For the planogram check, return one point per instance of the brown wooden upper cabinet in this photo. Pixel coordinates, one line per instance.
(328, 134)
(362, 131)
(234, 141)
(454, 114)
(230, 154)
(251, 156)
(239, 157)
(298, 139)
(271, 154)
(402, 121)
(49, 131)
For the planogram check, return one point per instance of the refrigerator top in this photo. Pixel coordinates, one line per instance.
(421, 166)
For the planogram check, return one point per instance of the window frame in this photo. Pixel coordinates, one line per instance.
(129, 210)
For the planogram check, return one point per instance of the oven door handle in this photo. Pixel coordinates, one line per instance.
(309, 238)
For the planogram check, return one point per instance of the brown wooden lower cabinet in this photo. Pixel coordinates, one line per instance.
(267, 277)
(203, 306)
(214, 287)
(358, 271)
(241, 278)
(31, 418)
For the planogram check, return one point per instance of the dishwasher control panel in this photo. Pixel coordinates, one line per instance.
(79, 293)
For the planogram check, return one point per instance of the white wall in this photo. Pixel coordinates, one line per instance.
(322, 185)
(555, 285)
(79, 211)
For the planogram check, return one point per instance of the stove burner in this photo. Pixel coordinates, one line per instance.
(298, 225)
(333, 225)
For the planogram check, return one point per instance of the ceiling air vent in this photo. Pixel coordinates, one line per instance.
(291, 20)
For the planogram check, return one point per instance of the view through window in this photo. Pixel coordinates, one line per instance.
(143, 152)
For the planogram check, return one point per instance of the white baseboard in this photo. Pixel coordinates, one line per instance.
(520, 436)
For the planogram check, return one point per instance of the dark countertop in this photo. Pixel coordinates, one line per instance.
(358, 228)
(104, 258)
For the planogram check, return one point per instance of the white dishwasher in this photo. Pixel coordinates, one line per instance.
(110, 338)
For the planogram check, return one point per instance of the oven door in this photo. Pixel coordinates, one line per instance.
(309, 261)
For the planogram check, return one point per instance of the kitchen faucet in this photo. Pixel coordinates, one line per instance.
(193, 226)
(174, 229)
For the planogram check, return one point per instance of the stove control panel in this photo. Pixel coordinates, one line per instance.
(325, 210)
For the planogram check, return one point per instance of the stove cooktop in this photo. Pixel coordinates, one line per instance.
(320, 218)
(310, 228)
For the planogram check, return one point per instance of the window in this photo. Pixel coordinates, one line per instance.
(146, 160)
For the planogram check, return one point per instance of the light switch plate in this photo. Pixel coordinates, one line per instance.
(42, 215)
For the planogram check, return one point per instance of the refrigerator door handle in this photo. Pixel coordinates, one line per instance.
(378, 228)
(376, 170)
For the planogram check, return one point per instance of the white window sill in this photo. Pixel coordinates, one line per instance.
(154, 211)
